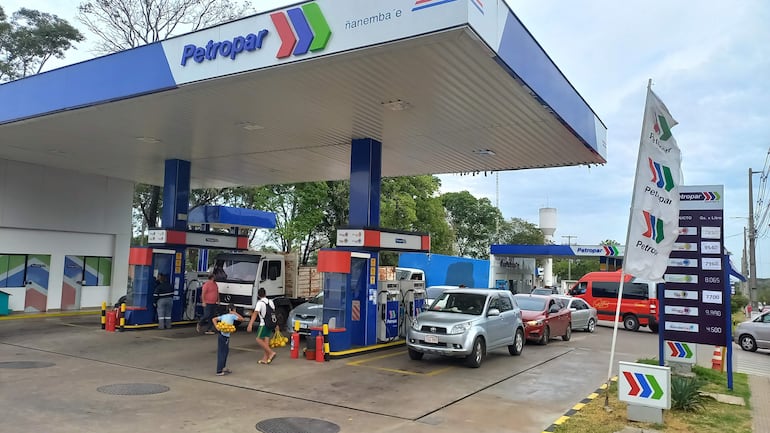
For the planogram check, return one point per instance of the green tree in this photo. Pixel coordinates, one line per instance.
(576, 269)
(124, 24)
(299, 211)
(610, 242)
(30, 39)
(474, 222)
(517, 231)
(336, 210)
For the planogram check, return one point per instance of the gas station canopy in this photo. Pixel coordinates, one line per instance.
(447, 86)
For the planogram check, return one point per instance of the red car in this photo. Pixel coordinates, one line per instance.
(544, 317)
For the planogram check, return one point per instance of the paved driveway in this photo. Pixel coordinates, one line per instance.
(377, 392)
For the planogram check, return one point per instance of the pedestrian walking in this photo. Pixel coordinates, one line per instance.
(223, 341)
(164, 301)
(210, 300)
(263, 332)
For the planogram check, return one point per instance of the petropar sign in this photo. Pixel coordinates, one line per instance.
(644, 385)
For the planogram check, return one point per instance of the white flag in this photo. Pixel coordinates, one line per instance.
(654, 221)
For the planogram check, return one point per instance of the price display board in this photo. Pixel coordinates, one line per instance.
(694, 302)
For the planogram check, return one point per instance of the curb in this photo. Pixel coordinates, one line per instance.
(46, 315)
(564, 418)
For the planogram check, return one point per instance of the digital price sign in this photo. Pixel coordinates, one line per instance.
(694, 302)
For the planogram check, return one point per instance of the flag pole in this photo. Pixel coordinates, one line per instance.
(623, 269)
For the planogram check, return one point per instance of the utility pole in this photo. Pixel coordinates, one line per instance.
(569, 262)
(745, 262)
(752, 246)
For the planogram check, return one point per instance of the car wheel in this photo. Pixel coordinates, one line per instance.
(631, 323)
(518, 343)
(568, 335)
(415, 355)
(546, 336)
(748, 343)
(591, 327)
(654, 328)
(477, 355)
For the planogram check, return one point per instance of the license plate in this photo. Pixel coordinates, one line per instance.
(432, 339)
(303, 325)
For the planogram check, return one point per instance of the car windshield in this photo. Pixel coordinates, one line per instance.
(541, 291)
(530, 304)
(318, 299)
(434, 292)
(235, 271)
(464, 303)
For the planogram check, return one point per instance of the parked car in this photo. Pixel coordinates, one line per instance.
(467, 323)
(754, 334)
(433, 292)
(584, 316)
(545, 291)
(309, 315)
(544, 317)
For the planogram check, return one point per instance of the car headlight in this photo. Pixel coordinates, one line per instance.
(538, 322)
(460, 328)
(415, 325)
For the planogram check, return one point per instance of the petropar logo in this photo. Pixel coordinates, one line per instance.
(654, 227)
(661, 175)
(310, 31)
(661, 128)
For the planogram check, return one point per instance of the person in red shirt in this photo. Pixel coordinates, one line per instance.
(210, 300)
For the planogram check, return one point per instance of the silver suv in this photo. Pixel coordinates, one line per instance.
(467, 323)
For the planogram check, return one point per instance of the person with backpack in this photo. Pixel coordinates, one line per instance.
(265, 309)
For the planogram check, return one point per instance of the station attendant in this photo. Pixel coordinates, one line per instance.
(164, 301)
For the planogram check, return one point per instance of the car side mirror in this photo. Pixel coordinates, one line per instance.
(554, 309)
(493, 312)
(573, 309)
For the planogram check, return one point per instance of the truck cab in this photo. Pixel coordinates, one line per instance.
(239, 276)
(410, 274)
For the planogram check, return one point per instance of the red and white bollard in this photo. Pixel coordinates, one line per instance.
(295, 341)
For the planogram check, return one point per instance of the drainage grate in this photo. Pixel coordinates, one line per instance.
(297, 425)
(133, 389)
(26, 364)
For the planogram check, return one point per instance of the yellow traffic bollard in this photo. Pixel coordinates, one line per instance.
(104, 314)
(122, 316)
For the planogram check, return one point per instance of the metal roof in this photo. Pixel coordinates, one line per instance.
(463, 108)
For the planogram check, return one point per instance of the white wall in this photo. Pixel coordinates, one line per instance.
(58, 213)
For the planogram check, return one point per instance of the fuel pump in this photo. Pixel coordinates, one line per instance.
(412, 302)
(388, 304)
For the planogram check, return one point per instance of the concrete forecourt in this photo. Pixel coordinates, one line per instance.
(69, 362)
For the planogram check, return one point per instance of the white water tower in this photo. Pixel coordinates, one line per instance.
(548, 227)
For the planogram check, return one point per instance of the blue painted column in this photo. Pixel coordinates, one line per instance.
(176, 195)
(365, 178)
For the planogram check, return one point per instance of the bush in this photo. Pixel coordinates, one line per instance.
(738, 301)
(685, 394)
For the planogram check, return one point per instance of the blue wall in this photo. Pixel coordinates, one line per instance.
(443, 270)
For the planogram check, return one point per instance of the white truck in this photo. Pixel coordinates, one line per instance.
(240, 275)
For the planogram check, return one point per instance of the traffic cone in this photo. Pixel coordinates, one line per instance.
(716, 359)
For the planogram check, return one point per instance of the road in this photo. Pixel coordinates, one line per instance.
(377, 392)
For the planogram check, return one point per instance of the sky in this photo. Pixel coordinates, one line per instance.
(709, 62)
